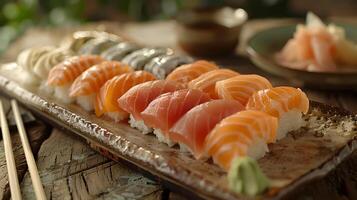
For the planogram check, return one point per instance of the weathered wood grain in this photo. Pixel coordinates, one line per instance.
(69, 169)
(36, 132)
(177, 196)
(344, 99)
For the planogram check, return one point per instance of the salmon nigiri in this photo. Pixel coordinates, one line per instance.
(191, 129)
(107, 98)
(86, 86)
(285, 103)
(135, 100)
(245, 133)
(207, 81)
(188, 72)
(163, 112)
(241, 87)
(62, 75)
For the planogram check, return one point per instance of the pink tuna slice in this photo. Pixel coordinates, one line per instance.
(135, 100)
(192, 129)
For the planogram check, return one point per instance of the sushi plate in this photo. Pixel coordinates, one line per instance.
(264, 45)
(294, 162)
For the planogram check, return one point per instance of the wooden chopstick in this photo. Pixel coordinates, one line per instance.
(35, 177)
(9, 155)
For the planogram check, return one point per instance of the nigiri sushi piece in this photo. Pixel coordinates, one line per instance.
(207, 81)
(285, 103)
(186, 73)
(119, 51)
(79, 38)
(244, 133)
(86, 86)
(163, 112)
(98, 45)
(192, 128)
(28, 58)
(161, 66)
(45, 63)
(241, 87)
(50, 59)
(139, 58)
(136, 99)
(62, 75)
(107, 98)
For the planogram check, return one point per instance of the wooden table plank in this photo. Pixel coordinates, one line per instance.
(69, 169)
(37, 132)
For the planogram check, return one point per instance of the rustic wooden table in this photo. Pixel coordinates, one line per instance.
(70, 169)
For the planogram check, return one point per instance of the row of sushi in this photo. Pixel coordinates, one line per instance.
(207, 110)
(38, 61)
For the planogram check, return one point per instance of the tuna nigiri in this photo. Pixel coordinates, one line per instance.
(241, 87)
(135, 100)
(163, 112)
(207, 81)
(285, 103)
(86, 86)
(62, 75)
(188, 72)
(107, 98)
(191, 129)
(245, 133)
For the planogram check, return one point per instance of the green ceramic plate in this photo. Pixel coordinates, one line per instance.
(264, 45)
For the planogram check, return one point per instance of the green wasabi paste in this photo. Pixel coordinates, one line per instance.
(245, 177)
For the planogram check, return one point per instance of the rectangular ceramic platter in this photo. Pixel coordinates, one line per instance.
(292, 162)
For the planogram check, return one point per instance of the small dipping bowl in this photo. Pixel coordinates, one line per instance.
(210, 31)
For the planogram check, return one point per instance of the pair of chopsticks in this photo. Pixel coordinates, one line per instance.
(9, 155)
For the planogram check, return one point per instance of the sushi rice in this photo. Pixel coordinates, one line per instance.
(257, 148)
(162, 138)
(140, 125)
(289, 121)
(45, 89)
(62, 94)
(116, 116)
(86, 102)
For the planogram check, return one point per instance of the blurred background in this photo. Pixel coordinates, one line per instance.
(17, 15)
